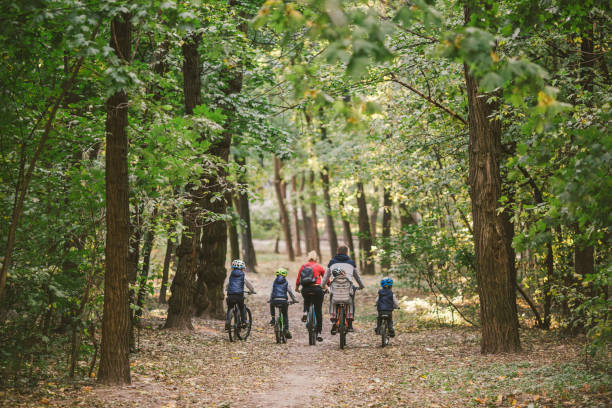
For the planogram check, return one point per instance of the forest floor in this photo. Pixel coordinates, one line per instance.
(426, 365)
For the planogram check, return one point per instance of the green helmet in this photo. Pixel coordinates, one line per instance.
(281, 272)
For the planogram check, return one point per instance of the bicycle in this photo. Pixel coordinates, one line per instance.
(383, 329)
(311, 325)
(279, 324)
(234, 321)
(342, 322)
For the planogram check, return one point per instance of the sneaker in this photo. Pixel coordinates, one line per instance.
(391, 333)
(350, 329)
(288, 334)
(376, 330)
(244, 325)
(319, 338)
(304, 317)
(334, 330)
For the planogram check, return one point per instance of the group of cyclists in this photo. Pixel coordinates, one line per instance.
(341, 279)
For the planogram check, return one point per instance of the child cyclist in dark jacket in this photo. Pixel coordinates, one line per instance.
(385, 303)
(281, 290)
(235, 291)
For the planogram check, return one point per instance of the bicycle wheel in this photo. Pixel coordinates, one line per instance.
(342, 329)
(244, 333)
(311, 324)
(277, 329)
(384, 332)
(233, 335)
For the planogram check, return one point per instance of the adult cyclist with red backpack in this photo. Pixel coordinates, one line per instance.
(309, 277)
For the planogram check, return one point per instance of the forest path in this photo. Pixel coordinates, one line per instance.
(424, 366)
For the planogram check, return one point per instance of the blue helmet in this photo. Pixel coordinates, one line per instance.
(384, 282)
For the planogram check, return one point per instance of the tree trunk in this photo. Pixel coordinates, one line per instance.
(346, 227)
(147, 248)
(114, 366)
(180, 305)
(365, 237)
(313, 213)
(329, 219)
(305, 218)
(294, 205)
(494, 272)
(248, 249)
(166, 271)
(374, 217)
(284, 216)
(232, 231)
(385, 263)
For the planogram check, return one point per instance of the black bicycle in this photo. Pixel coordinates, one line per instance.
(383, 329)
(311, 325)
(280, 326)
(239, 330)
(342, 322)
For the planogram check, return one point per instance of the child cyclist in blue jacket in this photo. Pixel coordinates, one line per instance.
(235, 291)
(385, 303)
(281, 290)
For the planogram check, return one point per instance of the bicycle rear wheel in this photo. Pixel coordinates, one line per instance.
(342, 329)
(311, 324)
(384, 332)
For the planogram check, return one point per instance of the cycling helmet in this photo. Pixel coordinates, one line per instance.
(384, 282)
(337, 271)
(281, 272)
(238, 264)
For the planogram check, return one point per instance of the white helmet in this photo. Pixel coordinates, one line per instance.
(238, 264)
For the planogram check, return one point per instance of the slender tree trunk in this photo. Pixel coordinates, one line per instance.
(346, 227)
(365, 236)
(495, 275)
(114, 366)
(233, 234)
(166, 271)
(248, 249)
(329, 219)
(374, 217)
(147, 248)
(180, 304)
(284, 216)
(306, 219)
(385, 263)
(406, 217)
(313, 213)
(548, 284)
(294, 205)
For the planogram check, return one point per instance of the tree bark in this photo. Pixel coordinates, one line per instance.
(365, 236)
(316, 244)
(284, 215)
(494, 273)
(180, 304)
(374, 217)
(233, 234)
(329, 219)
(346, 227)
(166, 271)
(114, 366)
(306, 219)
(385, 263)
(246, 237)
(296, 221)
(147, 248)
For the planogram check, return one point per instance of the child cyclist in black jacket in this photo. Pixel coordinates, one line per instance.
(385, 303)
(281, 290)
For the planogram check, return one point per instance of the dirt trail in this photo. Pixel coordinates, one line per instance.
(422, 367)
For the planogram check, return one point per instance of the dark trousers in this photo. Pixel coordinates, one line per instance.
(386, 312)
(314, 295)
(284, 308)
(236, 299)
